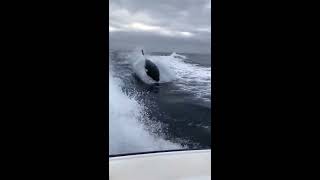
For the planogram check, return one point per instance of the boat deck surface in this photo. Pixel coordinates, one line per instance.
(181, 165)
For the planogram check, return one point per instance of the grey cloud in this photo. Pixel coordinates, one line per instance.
(192, 16)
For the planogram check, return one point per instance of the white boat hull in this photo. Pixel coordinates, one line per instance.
(179, 165)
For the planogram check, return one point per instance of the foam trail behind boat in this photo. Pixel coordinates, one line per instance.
(127, 132)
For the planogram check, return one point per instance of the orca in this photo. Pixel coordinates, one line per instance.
(152, 70)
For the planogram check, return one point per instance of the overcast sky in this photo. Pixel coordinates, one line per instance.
(160, 25)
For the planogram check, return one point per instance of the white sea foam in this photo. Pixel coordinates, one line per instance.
(127, 132)
(192, 78)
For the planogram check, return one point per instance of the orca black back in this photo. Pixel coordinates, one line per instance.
(152, 70)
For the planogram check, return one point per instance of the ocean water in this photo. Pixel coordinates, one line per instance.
(174, 114)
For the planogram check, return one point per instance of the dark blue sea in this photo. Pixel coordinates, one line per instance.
(173, 114)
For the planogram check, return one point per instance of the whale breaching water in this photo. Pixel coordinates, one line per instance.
(151, 69)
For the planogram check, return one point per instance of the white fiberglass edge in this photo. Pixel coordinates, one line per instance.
(181, 165)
